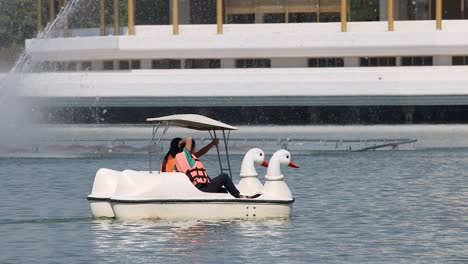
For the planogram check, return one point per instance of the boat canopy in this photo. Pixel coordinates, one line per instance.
(192, 121)
(197, 122)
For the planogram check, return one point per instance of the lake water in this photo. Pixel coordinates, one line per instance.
(369, 207)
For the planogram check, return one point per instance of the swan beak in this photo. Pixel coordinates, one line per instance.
(293, 165)
(265, 163)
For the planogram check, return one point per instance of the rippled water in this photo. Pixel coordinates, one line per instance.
(370, 207)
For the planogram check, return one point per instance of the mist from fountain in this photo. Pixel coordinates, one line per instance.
(17, 115)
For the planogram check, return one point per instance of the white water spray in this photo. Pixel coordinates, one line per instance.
(16, 113)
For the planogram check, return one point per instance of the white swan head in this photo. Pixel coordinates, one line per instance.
(280, 157)
(252, 157)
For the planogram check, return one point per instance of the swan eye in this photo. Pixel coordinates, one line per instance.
(261, 154)
(287, 157)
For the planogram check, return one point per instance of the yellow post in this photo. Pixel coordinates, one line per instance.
(390, 14)
(175, 17)
(439, 14)
(39, 15)
(51, 11)
(102, 19)
(116, 18)
(343, 15)
(131, 17)
(219, 15)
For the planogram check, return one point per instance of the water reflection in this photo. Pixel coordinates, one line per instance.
(190, 240)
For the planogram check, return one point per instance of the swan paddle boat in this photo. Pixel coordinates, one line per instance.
(130, 195)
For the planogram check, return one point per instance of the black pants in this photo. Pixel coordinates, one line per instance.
(217, 184)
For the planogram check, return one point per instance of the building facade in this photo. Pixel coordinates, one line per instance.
(319, 62)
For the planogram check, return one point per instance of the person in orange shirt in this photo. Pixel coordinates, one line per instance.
(168, 164)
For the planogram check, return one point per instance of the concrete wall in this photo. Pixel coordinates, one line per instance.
(410, 38)
(444, 85)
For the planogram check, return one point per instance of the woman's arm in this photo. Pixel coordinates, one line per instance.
(206, 148)
(188, 143)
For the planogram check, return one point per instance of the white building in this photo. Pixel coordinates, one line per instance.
(313, 61)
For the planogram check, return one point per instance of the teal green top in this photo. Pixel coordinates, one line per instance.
(189, 157)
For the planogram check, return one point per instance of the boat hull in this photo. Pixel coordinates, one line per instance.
(207, 209)
(100, 208)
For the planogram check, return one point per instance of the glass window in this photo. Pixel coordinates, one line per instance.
(202, 63)
(427, 61)
(149, 12)
(253, 63)
(61, 66)
(364, 10)
(108, 65)
(377, 61)
(165, 64)
(124, 65)
(416, 61)
(302, 17)
(274, 18)
(415, 9)
(325, 62)
(460, 60)
(329, 17)
(136, 64)
(86, 66)
(283, 11)
(202, 11)
(241, 19)
(71, 66)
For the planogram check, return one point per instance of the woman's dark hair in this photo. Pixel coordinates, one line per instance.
(173, 150)
(174, 147)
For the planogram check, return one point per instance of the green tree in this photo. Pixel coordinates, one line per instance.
(18, 21)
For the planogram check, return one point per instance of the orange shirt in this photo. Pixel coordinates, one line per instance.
(170, 164)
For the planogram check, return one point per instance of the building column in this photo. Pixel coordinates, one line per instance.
(131, 17)
(39, 15)
(351, 61)
(259, 18)
(175, 17)
(102, 19)
(145, 64)
(116, 18)
(439, 14)
(219, 16)
(442, 60)
(344, 17)
(228, 63)
(390, 14)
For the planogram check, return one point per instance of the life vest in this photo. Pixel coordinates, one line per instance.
(170, 163)
(197, 173)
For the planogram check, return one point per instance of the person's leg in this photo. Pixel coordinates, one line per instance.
(220, 181)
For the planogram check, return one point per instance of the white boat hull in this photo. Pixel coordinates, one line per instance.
(101, 208)
(132, 195)
(229, 209)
